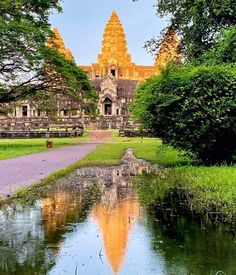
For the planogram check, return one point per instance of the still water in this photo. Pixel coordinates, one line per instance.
(93, 223)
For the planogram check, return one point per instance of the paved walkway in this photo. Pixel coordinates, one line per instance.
(23, 171)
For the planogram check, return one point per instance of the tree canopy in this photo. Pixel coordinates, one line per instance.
(223, 51)
(192, 109)
(196, 22)
(27, 65)
(24, 30)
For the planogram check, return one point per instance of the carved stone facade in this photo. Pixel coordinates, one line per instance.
(115, 77)
(114, 97)
(110, 103)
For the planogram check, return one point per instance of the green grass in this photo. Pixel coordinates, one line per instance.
(108, 154)
(208, 189)
(212, 187)
(145, 148)
(151, 149)
(168, 156)
(10, 148)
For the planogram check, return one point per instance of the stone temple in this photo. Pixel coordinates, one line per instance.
(115, 77)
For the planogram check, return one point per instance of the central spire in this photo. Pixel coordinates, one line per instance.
(114, 44)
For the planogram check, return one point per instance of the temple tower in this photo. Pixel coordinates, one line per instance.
(114, 58)
(169, 50)
(58, 42)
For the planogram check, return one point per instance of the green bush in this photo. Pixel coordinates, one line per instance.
(192, 109)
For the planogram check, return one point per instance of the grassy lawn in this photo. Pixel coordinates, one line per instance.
(10, 148)
(211, 188)
(111, 153)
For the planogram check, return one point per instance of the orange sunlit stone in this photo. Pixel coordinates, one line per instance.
(115, 224)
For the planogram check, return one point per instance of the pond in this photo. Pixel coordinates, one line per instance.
(92, 222)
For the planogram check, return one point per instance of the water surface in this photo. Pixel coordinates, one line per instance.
(93, 223)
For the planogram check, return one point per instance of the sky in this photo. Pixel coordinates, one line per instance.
(83, 22)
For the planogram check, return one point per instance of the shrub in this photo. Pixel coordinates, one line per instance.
(192, 109)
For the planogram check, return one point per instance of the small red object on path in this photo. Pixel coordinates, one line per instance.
(49, 143)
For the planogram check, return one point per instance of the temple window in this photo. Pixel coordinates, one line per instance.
(113, 72)
(107, 107)
(25, 111)
(124, 112)
(87, 111)
(117, 112)
(65, 113)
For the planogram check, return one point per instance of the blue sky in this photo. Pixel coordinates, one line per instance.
(82, 24)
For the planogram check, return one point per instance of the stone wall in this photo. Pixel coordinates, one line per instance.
(40, 127)
(26, 124)
(134, 133)
(40, 134)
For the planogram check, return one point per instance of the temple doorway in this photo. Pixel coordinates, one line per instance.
(107, 107)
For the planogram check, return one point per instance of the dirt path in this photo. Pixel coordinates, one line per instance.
(26, 170)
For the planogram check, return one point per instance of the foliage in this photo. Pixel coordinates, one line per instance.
(58, 75)
(223, 51)
(28, 67)
(192, 109)
(197, 22)
(24, 30)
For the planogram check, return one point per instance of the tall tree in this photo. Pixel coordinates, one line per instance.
(24, 30)
(197, 22)
(27, 65)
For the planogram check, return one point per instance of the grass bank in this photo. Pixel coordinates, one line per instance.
(10, 148)
(206, 191)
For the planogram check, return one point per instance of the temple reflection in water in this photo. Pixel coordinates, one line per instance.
(35, 234)
(92, 223)
(115, 219)
(115, 212)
